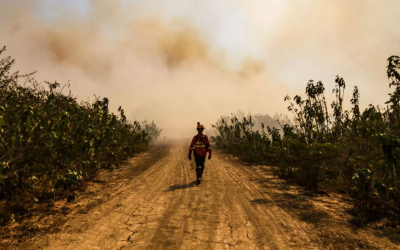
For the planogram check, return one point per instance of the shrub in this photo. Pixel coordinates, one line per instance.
(50, 143)
(342, 150)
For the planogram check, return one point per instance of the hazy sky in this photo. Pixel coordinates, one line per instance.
(182, 61)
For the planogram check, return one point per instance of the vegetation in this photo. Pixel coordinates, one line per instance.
(50, 144)
(331, 148)
(245, 137)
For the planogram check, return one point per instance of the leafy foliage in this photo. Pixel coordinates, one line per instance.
(344, 150)
(50, 143)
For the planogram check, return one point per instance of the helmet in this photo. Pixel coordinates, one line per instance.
(199, 126)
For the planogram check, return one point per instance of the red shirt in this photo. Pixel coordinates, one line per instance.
(198, 145)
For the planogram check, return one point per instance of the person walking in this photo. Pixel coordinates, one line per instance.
(200, 145)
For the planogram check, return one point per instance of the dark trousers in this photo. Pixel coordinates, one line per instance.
(199, 164)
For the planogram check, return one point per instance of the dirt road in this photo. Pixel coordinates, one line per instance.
(235, 207)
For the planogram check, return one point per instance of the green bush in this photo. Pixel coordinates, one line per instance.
(331, 149)
(50, 143)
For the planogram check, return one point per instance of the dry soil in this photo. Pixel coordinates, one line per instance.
(153, 202)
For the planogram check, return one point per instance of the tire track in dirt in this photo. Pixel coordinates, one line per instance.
(169, 217)
(204, 214)
(269, 229)
(282, 227)
(188, 221)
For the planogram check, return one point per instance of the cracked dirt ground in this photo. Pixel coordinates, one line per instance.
(235, 207)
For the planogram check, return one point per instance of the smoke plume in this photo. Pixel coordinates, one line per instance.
(194, 61)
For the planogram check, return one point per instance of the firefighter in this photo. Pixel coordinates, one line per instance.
(200, 145)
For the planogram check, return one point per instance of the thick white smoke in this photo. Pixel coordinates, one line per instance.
(194, 60)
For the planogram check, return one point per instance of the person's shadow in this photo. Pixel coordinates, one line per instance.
(182, 186)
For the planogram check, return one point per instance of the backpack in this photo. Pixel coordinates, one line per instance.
(203, 140)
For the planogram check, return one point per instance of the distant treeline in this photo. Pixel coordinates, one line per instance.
(329, 148)
(50, 144)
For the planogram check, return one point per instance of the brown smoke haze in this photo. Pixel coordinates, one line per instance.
(196, 60)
